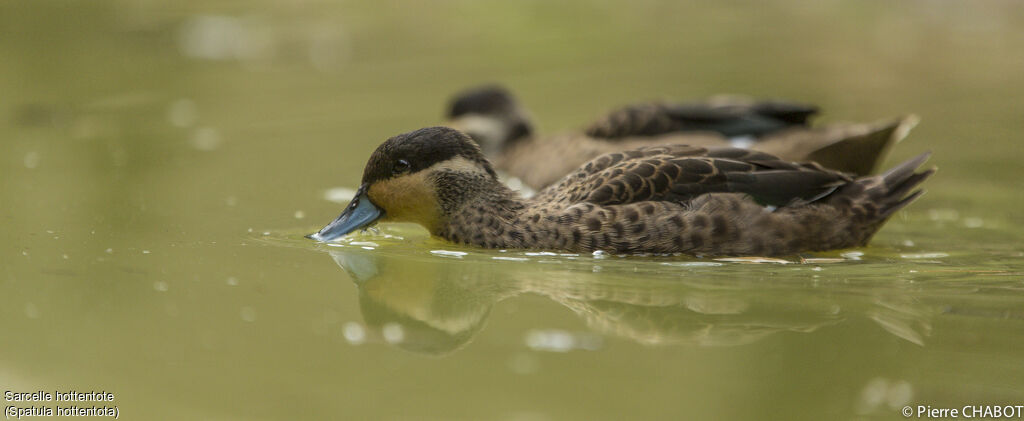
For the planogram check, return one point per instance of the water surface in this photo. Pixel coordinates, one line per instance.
(162, 160)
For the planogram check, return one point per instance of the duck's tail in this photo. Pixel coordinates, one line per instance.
(872, 200)
(856, 148)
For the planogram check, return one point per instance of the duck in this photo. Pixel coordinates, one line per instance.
(494, 118)
(661, 199)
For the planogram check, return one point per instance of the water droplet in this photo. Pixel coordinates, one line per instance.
(753, 260)
(551, 340)
(31, 311)
(109, 251)
(852, 255)
(924, 255)
(393, 333)
(248, 314)
(446, 253)
(693, 264)
(182, 113)
(513, 259)
(300, 214)
(31, 160)
(206, 139)
(353, 333)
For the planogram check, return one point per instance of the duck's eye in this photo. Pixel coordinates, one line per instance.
(401, 166)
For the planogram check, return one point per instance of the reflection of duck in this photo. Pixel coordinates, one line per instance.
(655, 200)
(440, 306)
(493, 117)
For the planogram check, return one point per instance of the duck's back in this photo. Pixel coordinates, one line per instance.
(683, 199)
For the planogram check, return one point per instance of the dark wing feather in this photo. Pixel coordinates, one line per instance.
(728, 119)
(576, 182)
(659, 174)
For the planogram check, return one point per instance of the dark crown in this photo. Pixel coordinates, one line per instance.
(421, 149)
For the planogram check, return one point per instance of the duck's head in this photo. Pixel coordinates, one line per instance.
(420, 177)
(491, 116)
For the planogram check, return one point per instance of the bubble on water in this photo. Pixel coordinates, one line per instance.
(299, 214)
(183, 113)
(248, 314)
(206, 139)
(511, 259)
(354, 333)
(160, 286)
(693, 264)
(31, 311)
(31, 160)
(109, 251)
(146, 252)
(754, 260)
(873, 394)
(881, 391)
(852, 255)
(447, 253)
(900, 394)
(232, 281)
(556, 340)
(549, 340)
(393, 333)
(24, 253)
(266, 233)
(924, 255)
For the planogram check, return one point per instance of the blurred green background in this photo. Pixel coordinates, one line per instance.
(161, 161)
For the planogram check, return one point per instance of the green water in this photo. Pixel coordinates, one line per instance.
(162, 160)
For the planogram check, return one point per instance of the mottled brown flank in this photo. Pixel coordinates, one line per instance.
(605, 205)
